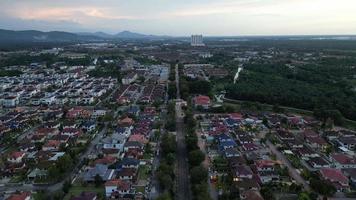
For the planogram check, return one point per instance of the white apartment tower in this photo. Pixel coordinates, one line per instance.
(197, 41)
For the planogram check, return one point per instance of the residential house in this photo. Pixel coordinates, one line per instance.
(343, 161)
(102, 170)
(37, 173)
(128, 163)
(317, 143)
(336, 178)
(126, 122)
(128, 174)
(72, 132)
(51, 145)
(242, 172)
(139, 138)
(231, 152)
(132, 145)
(16, 157)
(318, 163)
(117, 188)
(347, 142)
(115, 141)
(20, 196)
(251, 195)
(89, 126)
(85, 196)
(202, 101)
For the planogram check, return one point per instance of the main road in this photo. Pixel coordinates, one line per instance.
(183, 186)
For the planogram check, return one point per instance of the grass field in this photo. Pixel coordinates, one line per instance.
(143, 172)
(77, 190)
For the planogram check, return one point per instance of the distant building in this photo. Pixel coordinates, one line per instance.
(197, 41)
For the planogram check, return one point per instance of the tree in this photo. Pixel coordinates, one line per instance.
(65, 163)
(200, 191)
(303, 196)
(191, 141)
(322, 187)
(54, 172)
(170, 158)
(196, 157)
(98, 180)
(148, 148)
(164, 196)
(267, 193)
(198, 174)
(66, 186)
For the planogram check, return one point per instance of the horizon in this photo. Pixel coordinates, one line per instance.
(224, 18)
(188, 36)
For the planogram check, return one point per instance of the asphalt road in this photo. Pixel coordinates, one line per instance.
(183, 186)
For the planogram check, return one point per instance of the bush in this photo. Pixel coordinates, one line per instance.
(322, 187)
(198, 174)
(196, 157)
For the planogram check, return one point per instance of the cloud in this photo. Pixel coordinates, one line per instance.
(182, 17)
(64, 13)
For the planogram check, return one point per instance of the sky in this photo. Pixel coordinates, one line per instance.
(183, 17)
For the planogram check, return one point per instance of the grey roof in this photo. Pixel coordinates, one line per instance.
(101, 170)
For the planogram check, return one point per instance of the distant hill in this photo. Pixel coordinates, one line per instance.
(128, 34)
(39, 36)
(29, 36)
(96, 34)
(120, 35)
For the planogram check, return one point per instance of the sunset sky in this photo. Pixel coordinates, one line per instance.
(183, 17)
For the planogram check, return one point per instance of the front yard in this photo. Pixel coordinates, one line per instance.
(76, 190)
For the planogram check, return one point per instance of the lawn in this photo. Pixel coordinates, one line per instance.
(147, 156)
(143, 172)
(16, 179)
(76, 190)
(140, 189)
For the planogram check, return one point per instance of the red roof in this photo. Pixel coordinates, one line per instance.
(317, 140)
(21, 196)
(310, 133)
(334, 175)
(120, 184)
(202, 100)
(343, 159)
(17, 154)
(53, 143)
(126, 121)
(106, 160)
(265, 163)
(236, 116)
(45, 131)
(139, 138)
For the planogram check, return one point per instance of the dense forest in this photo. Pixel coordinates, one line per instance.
(328, 84)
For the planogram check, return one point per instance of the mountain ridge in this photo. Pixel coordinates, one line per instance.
(63, 36)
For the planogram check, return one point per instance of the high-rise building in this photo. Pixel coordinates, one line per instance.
(197, 40)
